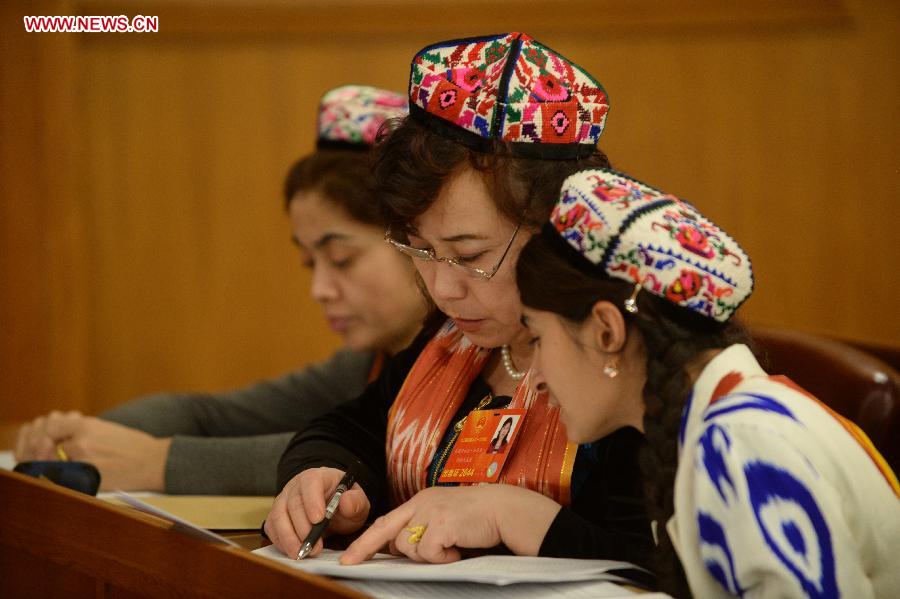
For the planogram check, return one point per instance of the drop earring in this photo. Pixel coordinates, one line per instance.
(611, 370)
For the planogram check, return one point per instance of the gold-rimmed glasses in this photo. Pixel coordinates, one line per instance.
(429, 255)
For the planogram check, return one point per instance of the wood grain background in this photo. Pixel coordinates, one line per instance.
(142, 241)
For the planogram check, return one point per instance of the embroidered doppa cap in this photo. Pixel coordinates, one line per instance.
(508, 88)
(616, 226)
(350, 116)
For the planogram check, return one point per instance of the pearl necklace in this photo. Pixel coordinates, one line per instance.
(516, 375)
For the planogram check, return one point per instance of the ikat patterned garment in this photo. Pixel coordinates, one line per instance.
(350, 116)
(776, 495)
(508, 88)
(634, 232)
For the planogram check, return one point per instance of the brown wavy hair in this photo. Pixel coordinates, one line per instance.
(344, 177)
(413, 163)
(673, 338)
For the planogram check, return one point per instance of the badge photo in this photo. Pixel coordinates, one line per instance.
(487, 439)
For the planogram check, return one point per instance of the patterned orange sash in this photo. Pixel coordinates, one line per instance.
(434, 390)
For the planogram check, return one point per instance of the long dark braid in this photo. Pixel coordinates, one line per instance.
(674, 338)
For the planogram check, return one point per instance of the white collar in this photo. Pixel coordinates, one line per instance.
(737, 359)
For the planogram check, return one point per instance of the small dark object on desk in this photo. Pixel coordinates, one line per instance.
(78, 476)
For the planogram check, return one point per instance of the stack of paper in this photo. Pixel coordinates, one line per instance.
(491, 576)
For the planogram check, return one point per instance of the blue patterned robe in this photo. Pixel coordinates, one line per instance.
(777, 496)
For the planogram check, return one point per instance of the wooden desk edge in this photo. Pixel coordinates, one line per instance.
(140, 554)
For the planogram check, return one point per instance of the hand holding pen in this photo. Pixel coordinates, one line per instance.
(302, 503)
(319, 527)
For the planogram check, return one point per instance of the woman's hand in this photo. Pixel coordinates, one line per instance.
(127, 459)
(459, 517)
(302, 503)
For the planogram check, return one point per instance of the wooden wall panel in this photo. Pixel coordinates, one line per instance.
(42, 308)
(174, 270)
(197, 284)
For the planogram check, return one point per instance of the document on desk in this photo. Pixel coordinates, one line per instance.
(591, 589)
(214, 512)
(179, 523)
(496, 570)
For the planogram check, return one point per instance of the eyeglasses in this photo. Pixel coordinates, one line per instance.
(429, 255)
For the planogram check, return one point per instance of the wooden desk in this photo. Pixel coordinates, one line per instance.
(55, 542)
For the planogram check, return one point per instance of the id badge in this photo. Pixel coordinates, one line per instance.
(484, 443)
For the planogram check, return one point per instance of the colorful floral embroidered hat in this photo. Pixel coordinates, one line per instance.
(508, 88)
(615, 226)
(350, 116)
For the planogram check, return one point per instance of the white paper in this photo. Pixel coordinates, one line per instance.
(107, 495)
(7, 461)
(457, 590)
(180, 523)
(488, 569)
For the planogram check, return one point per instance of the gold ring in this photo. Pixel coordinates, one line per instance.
(417, 532)
(61, 453)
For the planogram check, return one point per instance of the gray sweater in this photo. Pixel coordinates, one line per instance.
(230, 443)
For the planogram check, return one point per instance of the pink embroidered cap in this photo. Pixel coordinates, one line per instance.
(508, 88)
(626, 229)
(350, 116)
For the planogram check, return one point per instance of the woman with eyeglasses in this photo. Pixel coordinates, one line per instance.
(230, 443)
(495, 126)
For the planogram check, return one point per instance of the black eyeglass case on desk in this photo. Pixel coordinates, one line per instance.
(78, 476)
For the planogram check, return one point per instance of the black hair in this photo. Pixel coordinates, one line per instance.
(343, 176)
(673, 338)
(509, 421)
(413, 163)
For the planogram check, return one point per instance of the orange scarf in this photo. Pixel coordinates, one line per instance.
(434, 390)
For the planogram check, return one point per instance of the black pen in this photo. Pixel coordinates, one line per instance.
(318, 528)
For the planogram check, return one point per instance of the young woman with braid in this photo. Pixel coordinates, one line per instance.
(755, 488)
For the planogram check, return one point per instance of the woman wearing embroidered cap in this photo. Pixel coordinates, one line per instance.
(229, 443)
(630, 294)
(496, 124)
